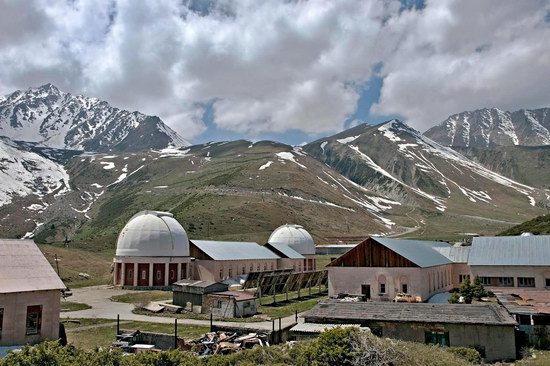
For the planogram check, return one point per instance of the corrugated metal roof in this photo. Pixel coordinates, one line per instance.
(234, 250)
(420, 252)
(455, 254)
(361, 312)
(23, 267)
(238, 295)
(193, 283)
(318, 328)
(286, 250)
(510, 251)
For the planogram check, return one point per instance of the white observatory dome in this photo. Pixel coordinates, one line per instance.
(153, 234)
(295, 236)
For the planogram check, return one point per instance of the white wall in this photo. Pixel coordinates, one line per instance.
(15, 316)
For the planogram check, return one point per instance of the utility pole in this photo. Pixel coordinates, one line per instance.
(57, 265)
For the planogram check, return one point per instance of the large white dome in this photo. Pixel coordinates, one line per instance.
(153, 234)
(295, 237)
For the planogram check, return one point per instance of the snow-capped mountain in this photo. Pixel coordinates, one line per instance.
(399, 163)
(492, 127)
(55, 119)
(25, 173)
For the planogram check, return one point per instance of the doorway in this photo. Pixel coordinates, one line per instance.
(365, 291)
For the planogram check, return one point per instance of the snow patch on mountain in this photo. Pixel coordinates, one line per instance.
(285, 155)
(25, 173)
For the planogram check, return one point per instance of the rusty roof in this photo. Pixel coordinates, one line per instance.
(23, 268)
(359, 312)
(238, 295)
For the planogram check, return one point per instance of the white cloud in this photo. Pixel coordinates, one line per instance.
(272, 66)
(463, 55)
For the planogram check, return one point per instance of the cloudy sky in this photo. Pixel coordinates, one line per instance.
(286, 70)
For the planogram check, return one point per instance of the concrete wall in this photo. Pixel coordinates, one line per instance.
(229, 307)
(211, 270)
(540, 273)
(498, 341)
(423, 282)
(15, 316)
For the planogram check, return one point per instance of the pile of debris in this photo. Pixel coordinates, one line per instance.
(223, 343)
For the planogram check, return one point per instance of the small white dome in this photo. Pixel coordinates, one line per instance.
(153, 234)
(295, 236)
(527, 234)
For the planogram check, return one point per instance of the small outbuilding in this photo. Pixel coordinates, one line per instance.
(30, 294)
(230, 304)
(192, 292)
(489, 328)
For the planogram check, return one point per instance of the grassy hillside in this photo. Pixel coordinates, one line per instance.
(540, 225)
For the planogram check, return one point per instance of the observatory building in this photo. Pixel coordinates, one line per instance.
(153, 251)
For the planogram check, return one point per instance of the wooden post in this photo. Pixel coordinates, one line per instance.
(296, 316)
(117, 324)
(279, 324)
(176, 333)
(211, 318)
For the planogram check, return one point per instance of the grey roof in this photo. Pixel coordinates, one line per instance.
(420, 252)
(362, 312)
(23, 268)
(286, 250)
(234, 250)
(510, 251)
(455, 254)
(317, 327)
(195, 283)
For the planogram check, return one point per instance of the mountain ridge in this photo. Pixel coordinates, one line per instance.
(54, 119)
(489, 127)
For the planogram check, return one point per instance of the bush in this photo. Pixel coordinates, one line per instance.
(466, 353)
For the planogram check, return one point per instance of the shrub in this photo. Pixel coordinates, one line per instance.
(466, 353)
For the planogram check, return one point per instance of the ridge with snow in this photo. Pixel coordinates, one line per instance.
(485, 128)
(51, 118)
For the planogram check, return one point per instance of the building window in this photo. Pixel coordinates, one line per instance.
(548, 282)
(439, 338)
(172, 274)
(463, 277)
(382, 288)
(506, 281)
(144, 275)
(486, 281)
(1, 321)
(526, 282)
(34, 319)
(244, 270)
(230, 272)
(218, 304)
(258, 267)
(265, 266)
(272, 266)
(405, 288)
(251, 268)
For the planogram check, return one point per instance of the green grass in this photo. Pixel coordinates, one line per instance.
(73, 306)
(282, 308)
(143, 297)
(323, 260)
(187, 315)
(540, 225)
(541, 358)
(105, 331)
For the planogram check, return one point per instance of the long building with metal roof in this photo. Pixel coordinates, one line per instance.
(382, 268)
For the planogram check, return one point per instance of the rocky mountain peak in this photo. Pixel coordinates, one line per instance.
(488, 127)
(52, 118)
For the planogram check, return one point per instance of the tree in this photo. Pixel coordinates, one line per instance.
(466, 291)
(478, 291)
